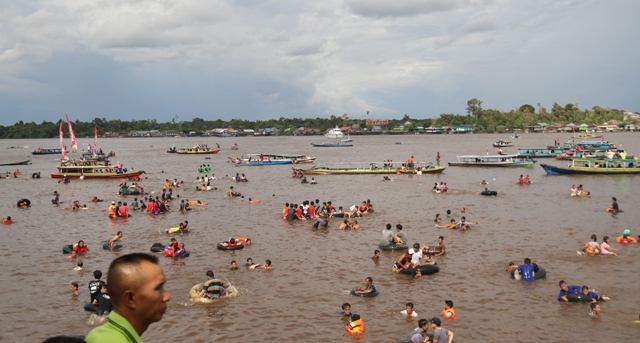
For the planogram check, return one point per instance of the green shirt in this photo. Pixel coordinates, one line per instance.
(116, 330)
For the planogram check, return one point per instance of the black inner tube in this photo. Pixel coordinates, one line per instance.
(236, 247)
(24, 202)
(489, 193)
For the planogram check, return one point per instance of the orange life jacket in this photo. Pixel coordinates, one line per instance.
(451, 311)
(356, 326)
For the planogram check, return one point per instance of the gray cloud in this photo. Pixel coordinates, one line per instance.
(399, 8)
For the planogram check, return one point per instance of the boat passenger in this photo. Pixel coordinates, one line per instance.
(369, 287)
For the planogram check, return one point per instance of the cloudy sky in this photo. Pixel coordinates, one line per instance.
(294, 58)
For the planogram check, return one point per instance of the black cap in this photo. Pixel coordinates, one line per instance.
(416, 245)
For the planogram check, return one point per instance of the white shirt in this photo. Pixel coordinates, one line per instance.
(415, 257)
(413, 314)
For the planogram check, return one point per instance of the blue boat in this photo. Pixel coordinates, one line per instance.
(538, 152)
(492, 161)
(339, 144)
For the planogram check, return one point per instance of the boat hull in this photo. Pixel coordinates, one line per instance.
(333, 145)
(359, 171)
(97, 175)
(571, 170)
(202, 152)
(264, 163)
(493, 164)
(20, 163)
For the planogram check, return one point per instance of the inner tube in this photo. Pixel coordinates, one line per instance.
(91, 308)
(157, 247)
(193, 292)
(24, 203)
(392, 246)
(35, 176)
(578, 298)
(424, 269)
(489, 193)
(67, 249)
(540, 273)
(236, 195)
(366, 295)
(236, 247)
(186, 254)
(105, 246)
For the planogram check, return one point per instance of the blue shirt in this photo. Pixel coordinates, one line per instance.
(372, 288)
(526, 270)
(593, 295)
(570, 289)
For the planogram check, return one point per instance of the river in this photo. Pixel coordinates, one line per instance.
(299, 299)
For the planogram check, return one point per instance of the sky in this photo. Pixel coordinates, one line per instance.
(257, 60)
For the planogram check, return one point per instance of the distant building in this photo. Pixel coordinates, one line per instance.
(382, 123)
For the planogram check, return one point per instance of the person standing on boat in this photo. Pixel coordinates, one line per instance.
(438, 158)
(410, 162)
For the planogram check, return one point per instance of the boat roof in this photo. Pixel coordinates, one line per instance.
(487, 156)
(533, 148)
(596, 159)
(282, 155)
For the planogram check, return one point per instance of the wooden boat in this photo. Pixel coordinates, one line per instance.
(502, 144)
(366, 168)
(538, 152)
(19, 163)
(492, 161)
(197, 151)
(92, 169)
(338, 144)
(594, 166)
(292, 158)
(41, 151)
(258, 163)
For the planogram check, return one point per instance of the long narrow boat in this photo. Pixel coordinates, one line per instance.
(258, 163)
(594, 166)
(366, 168)
(19, 163)
(41, 151)
(197, 151)
(538, 152)
(492, 161)
(339, 144)
(294, 158)
(92, 169)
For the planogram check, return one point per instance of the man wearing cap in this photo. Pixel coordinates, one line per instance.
(614, 206)
(416, 254)
(440, 334)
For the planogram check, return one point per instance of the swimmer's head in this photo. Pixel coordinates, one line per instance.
(626, 232)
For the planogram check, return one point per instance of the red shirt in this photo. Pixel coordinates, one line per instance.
(311, 211)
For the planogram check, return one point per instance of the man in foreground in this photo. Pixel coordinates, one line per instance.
(136, 287)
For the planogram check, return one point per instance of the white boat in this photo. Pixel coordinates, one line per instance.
(334, 133)
(347, 140)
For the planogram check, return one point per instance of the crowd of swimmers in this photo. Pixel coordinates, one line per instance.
(440, 188)
(579, 192)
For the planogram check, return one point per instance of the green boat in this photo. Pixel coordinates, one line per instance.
(367, 168)
(594, 166)
(19, 163)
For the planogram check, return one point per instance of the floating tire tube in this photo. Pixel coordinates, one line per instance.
(35, 176)
(157, 247)
(67, 249)
(235, 247)
(489, 193)
(578, 298)
(365, 295)
(24, 203)
(424, 269)
(186, 254)
(193, 292)
(91, 308)
(105, 246)
(392, 246)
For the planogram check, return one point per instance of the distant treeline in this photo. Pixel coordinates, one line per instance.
(486, 120)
